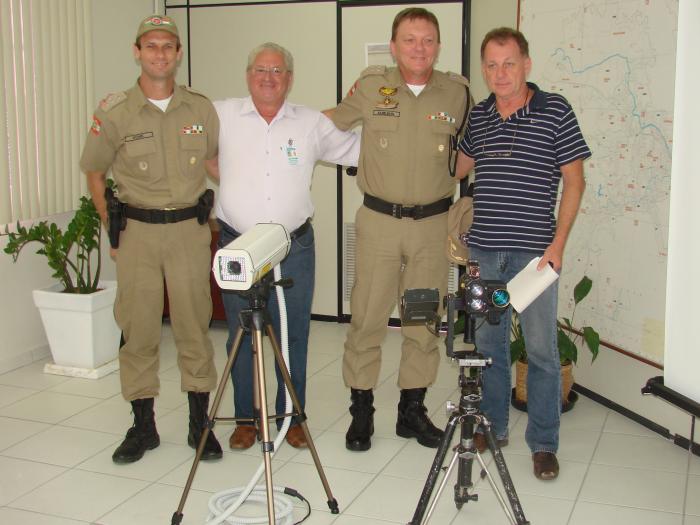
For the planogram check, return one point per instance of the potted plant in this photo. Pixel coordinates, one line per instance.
(77, 310)
(567, 338)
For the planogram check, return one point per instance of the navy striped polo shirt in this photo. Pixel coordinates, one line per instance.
(517, 170)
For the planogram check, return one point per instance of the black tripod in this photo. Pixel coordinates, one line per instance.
(469, 417)
(255, 321)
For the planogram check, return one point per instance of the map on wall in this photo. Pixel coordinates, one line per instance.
(615, 63)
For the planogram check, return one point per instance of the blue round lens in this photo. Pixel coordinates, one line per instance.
(500, 298)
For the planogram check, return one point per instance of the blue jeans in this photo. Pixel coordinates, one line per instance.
(538, 322)
(299, 266)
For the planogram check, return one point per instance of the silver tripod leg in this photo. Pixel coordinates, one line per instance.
(442, 486)
(495, 489)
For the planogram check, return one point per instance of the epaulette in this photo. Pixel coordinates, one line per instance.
(194, 91)
(373, 70)
(112, 100)
(455, 77)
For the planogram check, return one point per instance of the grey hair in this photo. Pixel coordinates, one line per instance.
(276, 48)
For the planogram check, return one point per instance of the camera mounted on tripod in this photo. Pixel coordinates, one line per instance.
(475, 297)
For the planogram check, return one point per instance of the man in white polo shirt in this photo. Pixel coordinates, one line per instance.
(268, 148)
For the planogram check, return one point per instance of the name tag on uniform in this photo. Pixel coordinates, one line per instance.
(385, 113)
(138, 136)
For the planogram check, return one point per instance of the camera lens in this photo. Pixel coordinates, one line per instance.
(234, 267)
(500, 298)
(476, 289)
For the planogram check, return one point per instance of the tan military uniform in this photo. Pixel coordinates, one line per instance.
(157, 163)
(403, 160)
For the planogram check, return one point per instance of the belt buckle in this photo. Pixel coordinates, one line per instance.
(397, 211)
(158, 216)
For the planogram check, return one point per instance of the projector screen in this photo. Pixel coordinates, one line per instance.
(682, 357)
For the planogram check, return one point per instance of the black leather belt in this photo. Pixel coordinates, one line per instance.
(160, 216)
(301, 230)
(399, 211)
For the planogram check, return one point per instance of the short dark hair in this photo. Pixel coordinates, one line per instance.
(501, 35)
(411, 13)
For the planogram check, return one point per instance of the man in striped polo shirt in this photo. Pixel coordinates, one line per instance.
(522, 141)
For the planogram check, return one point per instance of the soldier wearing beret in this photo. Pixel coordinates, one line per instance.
(410, 116)
(155, 138)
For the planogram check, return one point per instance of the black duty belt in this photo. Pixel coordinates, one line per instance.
(399, 211)
(160, 216)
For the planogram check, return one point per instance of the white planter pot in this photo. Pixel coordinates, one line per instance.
(81, 329)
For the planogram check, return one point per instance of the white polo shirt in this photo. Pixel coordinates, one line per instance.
(265, 169)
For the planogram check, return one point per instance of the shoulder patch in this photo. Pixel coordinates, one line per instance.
(373, 70)
(455, 77)
(112, 100)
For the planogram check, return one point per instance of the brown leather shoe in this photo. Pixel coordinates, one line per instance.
(296, 438)
(482, 446)
(243, 437)
(546, 466)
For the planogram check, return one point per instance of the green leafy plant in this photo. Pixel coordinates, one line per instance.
(69, 253)
(567, 334)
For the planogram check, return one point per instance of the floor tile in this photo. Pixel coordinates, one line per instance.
(156, 504)
(32, 374)
(586, 513)
(392, 499)
(62, 446)
(586, 415)
(58, 437)
(102, 388)
(619, 424)
(20, 476)
(692, 504)
(653, 452)
(12, 394)
(644, 489)
(344, 485)
(48, 407)
(112, 415)
(332, 451)
(79, 495)
(16, 430)
(23, 517)
(154, 465)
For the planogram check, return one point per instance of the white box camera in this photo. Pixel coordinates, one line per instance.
(246, 260)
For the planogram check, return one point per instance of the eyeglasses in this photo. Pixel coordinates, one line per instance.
(498, 154)
(274, 71)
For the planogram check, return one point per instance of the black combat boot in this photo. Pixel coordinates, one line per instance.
(199, 404)
(142, 436)
(413, 420)
(362, 426)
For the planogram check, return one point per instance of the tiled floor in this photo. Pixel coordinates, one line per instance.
(57, 435)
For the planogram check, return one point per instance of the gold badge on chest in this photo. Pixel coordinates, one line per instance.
(388, 102)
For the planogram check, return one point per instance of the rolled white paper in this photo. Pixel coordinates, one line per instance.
(529, 284)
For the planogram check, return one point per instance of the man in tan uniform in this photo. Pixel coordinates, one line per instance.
(411, 115)
(155, 138)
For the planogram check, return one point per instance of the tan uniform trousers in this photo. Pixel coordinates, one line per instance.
(147, 254)
(385, 245)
